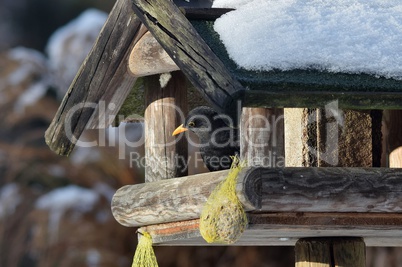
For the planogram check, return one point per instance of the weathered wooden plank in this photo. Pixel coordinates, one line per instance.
(165, 156)
(284, 229)
(325, 189)
(102, 83)
(330, 252)
(374, 190)
(190, 53)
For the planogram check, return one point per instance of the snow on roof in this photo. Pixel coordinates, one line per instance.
(350, 36)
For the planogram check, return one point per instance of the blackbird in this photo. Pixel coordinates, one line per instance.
(217, 134)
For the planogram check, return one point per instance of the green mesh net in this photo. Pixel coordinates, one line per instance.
(223, 219)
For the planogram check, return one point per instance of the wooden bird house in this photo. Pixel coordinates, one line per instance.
(321, 198)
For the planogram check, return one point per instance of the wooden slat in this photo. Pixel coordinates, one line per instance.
(190, 53)
(102, 83)
(326, 189)
(371, 190)
(284, 229)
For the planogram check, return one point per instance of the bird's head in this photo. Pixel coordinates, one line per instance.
(203, 121)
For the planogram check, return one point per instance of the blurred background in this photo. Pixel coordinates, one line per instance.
(55, 211)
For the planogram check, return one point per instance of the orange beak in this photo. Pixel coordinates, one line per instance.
(179, 129)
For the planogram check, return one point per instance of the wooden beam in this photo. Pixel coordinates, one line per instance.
(102, 83)
(284, 229)
(149, 58)
(366, 190)
(190, 53)
(164, 201)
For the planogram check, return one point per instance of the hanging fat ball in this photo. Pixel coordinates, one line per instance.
(217, 134)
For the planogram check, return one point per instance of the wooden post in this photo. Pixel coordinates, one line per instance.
(261, 137)
(166, 157)
(393, 138)
(332, 137)
(334, 252)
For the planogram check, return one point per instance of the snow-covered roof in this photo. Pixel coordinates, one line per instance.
(348, 36)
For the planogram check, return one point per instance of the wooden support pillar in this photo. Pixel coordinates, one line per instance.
(261, 137)
(332, 137)
(166, 106)
(393, 138)
(330, 252)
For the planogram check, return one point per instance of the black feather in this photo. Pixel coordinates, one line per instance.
(218, 134)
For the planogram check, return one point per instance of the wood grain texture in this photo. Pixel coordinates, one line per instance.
(165, 156)
(164, 201)
(149, 58)
(262, 137)
(284, 229)
(358, 190)
(328, 189)
(330, 252)
(102, 83)
(190, 53)
(392, 147)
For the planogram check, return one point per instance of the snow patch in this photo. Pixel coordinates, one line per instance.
(9, 199)
(93, 258)
(70, 44)
(35, 92)
(351, 36)
(58, 201)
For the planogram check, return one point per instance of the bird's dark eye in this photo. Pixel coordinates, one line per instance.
(191, 124)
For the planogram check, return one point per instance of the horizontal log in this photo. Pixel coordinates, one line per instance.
(365, 190)
(330, 189)
(149, 58)
(163, 201)
(284, 229)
